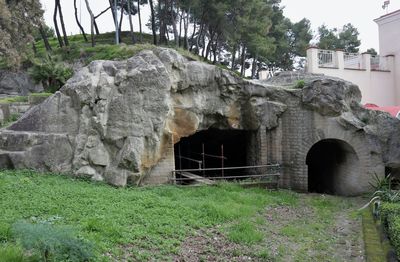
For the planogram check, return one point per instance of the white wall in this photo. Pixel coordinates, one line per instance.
(389, 43)
(377, 87)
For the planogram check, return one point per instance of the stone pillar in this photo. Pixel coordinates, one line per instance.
(340, 59)
(312, 59)
(366, 61)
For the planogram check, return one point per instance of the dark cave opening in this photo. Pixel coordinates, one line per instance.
(330, 162)
(213, 148)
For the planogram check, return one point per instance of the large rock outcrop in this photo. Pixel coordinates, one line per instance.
(17, 84)
(118, 120)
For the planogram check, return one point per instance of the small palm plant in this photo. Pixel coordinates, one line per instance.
(382, 192)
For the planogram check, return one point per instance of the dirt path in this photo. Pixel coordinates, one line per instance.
(317, 228)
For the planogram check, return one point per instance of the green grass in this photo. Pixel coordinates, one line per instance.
(374, 249)
(12, 253)
(146, 222)
(105, 48)
(40, 94)
(3, 63)
(245, 232)
(14, 99)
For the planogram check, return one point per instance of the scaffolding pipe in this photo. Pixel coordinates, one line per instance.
(204, 160)
(222, 159)
(230, 168)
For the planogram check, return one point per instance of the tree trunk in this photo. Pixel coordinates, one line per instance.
(215, 49)
(79, 24)
(254, 67)
(192, 37)
(209, 45)
(130, 22)
(60, 41)
(96, 28)
(153, 22)
(186, 26)
(97, 16)
(44, 37)
(200, 33)
(198, 38)
(163, 27)
(175, 29)
(112, 10)
(62, 24)
(180, 28)
(234, 58)
(93, 38)
(120, 21)
(140, 22)
(242, 69)
(204, 44)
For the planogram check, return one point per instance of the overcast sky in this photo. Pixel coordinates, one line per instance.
(333, 13)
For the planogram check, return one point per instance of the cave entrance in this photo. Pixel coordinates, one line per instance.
(215, 149)
(331, 164)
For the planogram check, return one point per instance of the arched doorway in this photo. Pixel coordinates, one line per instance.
(332, 167)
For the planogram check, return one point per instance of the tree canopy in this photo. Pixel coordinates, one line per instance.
(346, 38)
(18, 19)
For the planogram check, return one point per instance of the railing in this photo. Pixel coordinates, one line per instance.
(255, 174)
(353, 61)
(379, 63)
(327, 58)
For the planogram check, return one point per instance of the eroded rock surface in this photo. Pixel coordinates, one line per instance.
(118, 120)
(17, 83)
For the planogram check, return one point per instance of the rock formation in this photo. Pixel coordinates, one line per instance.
(17, 84)
(118, 121)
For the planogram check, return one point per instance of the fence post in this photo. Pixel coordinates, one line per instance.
(312, 59)
(339, 59)
(366, 61)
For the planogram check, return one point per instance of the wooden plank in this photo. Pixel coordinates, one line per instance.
(197, 178)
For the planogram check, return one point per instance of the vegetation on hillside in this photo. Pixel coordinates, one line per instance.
(245, 36)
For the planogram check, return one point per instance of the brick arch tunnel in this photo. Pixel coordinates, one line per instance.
(333, 167)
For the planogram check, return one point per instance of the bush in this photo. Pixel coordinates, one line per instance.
(51, 74)
(300, 84)
(52, 243)
(393, 230)
(389, 210)
(390, 217)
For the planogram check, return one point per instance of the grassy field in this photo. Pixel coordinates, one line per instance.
(161, 223)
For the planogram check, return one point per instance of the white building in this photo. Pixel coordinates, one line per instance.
(389, 43)
(377, 76)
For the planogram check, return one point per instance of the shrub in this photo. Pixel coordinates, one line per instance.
(51, 74)
(52, 243)
(389, 210)
(393, 229)
(300, 84)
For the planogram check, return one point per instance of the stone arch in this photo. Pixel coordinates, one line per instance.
(369, 161)
(332, 164)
